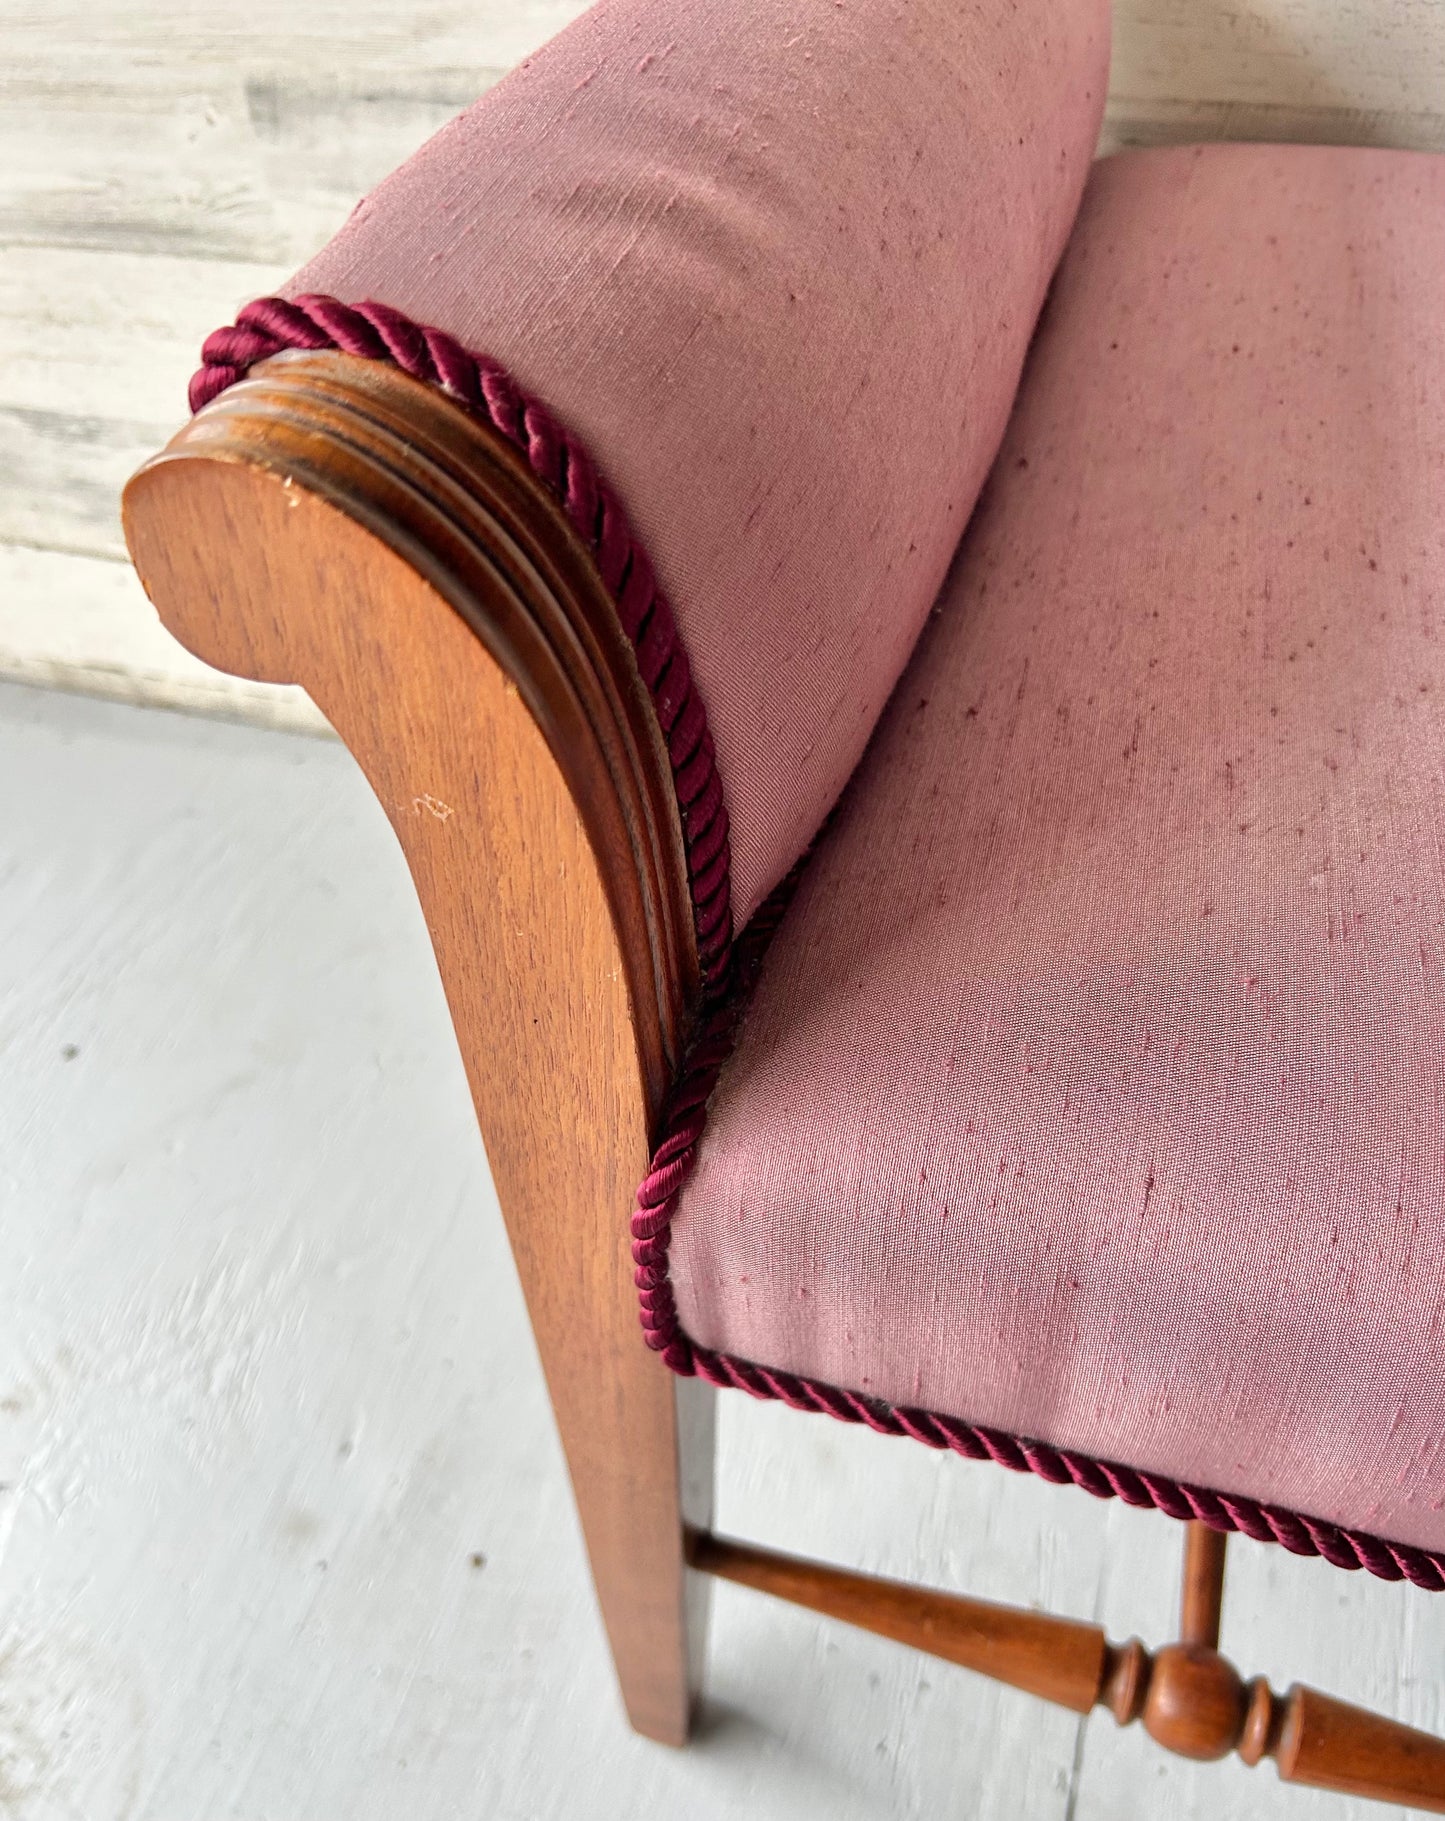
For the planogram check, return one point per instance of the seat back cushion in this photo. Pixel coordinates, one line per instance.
(776, 263)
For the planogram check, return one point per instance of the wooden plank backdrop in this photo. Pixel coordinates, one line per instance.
(162, 162)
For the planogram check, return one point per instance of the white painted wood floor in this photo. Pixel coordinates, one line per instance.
(284, 1532)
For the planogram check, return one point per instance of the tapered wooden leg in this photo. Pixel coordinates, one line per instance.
(260, 575)
(1331, 1745)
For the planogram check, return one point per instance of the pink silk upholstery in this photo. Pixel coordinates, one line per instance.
(777, 267)
(1094, 1086)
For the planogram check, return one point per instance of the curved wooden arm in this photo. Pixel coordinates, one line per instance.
(474, 526)
(331, 522)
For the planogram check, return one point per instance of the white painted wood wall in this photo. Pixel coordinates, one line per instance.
(161, 161)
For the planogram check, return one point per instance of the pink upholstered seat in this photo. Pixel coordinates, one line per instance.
(1094, 1085)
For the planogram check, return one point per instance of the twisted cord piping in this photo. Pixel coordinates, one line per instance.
(1352, 1549)
(484, 388)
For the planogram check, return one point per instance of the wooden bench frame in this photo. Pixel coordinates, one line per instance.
(331, 522)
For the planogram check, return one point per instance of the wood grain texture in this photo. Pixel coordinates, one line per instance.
(1058, 1660)
(1283, 1618)
(1202, 1596)
(534, 807)
(462, 506)
(1344, 72)
(1192, 1701)
(1334, 1746)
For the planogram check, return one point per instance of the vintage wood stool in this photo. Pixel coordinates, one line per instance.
(1073, 1093)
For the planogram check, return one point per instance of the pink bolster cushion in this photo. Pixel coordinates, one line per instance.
(777, 266)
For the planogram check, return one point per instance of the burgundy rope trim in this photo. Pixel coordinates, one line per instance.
(484, 388)
(487, 391)
(657, 1201)
(1105, 1479)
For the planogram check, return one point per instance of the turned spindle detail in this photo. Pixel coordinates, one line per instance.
(334, 522)
(1191, 1700)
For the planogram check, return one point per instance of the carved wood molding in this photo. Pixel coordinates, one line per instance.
(461, 506)
(334, 523)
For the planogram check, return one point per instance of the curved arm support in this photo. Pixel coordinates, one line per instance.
(333, 523)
